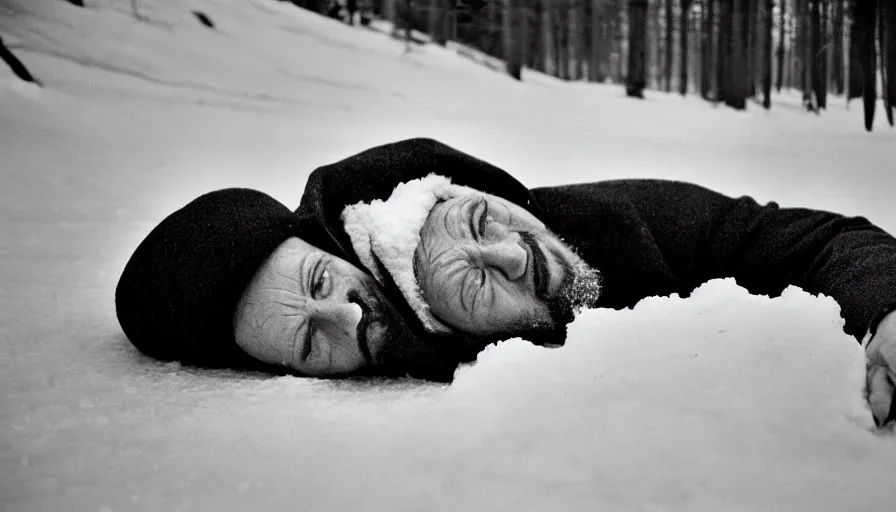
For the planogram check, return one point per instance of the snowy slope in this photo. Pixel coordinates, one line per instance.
(721, 401)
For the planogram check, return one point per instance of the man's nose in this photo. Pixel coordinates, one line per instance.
(339, 319)
(506, 256)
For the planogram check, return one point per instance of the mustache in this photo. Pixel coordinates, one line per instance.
(541, 274)
(370, 312)
(408, 349)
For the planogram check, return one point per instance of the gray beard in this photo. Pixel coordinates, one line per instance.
(580, 289)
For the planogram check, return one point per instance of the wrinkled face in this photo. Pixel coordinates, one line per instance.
(487, 266)
(314, 313)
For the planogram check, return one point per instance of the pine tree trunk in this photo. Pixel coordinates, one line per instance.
(655, 44)
(618, 42)
(706, 53)
(750, 45)
(837, 47)
(408, 21)
(794, 81)
(804, 41)
(818, 63)
(669, 42)
(887, 34)
(438, 21)
(781, 39)
(597, 43)
(825, 49)
(514, 37)
(864, 26)
(577, 21)
(856, 69)
(683, 45)
(637, 46)
(547, 38)
(736, 87)
(534, 31)
(573, 23)
(724, 50)
(561, 22)
(766, 7)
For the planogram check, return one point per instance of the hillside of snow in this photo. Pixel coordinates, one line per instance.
(722, 401)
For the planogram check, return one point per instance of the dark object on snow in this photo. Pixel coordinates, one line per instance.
(16, 65)
(79, 3)
(364, 19)
(176, 298)
(204, 19)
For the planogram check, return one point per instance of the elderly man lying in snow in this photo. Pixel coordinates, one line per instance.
(461, 254)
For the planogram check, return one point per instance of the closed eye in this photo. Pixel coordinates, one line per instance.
(483, 219)
(474, 287)
(478, 218)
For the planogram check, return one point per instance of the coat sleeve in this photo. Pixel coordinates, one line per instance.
(704, 235)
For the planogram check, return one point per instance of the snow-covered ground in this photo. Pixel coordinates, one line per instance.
(723, 401)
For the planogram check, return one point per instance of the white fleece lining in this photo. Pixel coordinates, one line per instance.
(391, 230)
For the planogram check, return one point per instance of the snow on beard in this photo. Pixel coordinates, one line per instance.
(580, 289)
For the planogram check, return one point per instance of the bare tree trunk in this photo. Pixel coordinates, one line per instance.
(837, 47)
(683, 38)
(577, 33)
(561, 24)
(655, 43)
(887, 33)
(534, 30)
(824, 57)
(724, 49)
(618, 45)
(768, 19)
(855, 68)
(781, 41)
(408, 22)
(804, 52)
(637, 46)
(757, 45)
(667, 58)
(863, 28)
(750, 46)
(735, 94)
(547, 37)
(795, 47)
(514, 37)
(597, 43)
(438, 21)
(707, 40)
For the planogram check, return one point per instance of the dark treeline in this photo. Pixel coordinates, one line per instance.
(727, 51)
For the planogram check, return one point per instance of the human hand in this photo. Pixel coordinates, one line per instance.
(880, 367)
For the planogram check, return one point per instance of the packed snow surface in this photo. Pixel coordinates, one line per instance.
(721, 401)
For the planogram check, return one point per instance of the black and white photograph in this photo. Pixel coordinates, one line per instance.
(443, 255)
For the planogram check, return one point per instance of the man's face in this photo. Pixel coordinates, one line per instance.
(315, 313)
(487, 266)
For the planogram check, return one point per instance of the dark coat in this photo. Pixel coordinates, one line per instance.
(646, 237)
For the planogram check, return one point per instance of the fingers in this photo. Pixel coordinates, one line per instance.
(880, 389)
